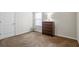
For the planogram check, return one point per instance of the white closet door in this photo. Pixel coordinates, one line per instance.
(7, 24)
(24, 22)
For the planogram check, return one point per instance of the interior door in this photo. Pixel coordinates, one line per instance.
(7, 24)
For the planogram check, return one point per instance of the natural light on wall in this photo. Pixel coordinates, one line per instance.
(39, 17)
(50, 16)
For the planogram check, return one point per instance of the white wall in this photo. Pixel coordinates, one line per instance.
(78, 26)
(65, 24)
(7, 24)
(24, 22)
(12, 24)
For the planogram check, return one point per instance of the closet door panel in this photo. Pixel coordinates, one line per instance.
(7, 24)
(24, 22)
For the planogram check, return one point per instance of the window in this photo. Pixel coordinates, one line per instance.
(49, 16)
(38, 19)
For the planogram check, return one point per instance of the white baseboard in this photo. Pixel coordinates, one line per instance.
(6, 37)
(66, 36)
(78, 41)
(14, 35)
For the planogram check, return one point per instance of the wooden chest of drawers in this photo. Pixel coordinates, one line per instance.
(48, 28)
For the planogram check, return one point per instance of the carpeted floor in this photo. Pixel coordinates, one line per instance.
(35, 39)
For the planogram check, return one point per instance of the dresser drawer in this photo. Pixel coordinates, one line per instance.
(47, 33)
(48, 24)
(48, 28)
